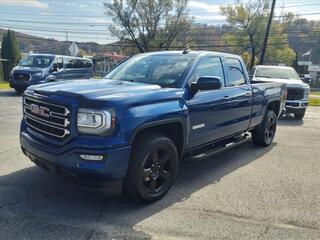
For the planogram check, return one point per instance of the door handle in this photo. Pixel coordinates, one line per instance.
(248, 93)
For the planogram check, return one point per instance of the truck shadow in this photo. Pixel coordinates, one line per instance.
(48, 201)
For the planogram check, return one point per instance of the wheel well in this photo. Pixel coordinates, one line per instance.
(274, 106)
(173, 130)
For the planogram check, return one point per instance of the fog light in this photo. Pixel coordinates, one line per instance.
(91, 157)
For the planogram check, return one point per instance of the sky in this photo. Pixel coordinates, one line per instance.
(85, 20)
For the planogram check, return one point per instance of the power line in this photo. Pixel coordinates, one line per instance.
(189, 34)
(109, 23)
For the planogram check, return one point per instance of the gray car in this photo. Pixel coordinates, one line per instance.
(43, 68)
(297, 90)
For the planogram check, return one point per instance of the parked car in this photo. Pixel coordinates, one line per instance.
(42, 68)
(129, 132)
(297, 90)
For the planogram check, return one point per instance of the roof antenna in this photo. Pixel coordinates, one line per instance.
(186, 50)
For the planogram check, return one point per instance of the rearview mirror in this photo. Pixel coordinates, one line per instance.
(206, 83)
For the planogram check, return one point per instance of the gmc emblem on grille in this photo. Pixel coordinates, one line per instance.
(40, 110)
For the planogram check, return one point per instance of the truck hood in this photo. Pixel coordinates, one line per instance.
(291, 83)
(109, 90)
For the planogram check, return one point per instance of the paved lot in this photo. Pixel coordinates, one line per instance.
(244, 193)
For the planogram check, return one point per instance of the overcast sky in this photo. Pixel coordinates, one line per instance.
(85, 20)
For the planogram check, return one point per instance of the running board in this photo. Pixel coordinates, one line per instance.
(217, 149)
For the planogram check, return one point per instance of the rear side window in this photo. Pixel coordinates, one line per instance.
(77, 63)
(235, 72)
(209, 67)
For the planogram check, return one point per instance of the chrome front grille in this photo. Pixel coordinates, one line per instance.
(47, 118)
(295, 93)
(21, 76)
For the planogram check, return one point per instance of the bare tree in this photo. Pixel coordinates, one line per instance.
(148, 24)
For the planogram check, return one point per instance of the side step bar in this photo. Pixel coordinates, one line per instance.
(218, 148)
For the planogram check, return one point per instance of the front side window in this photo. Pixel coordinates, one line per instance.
(59, 62)
(165, 70)
(235, 72)
(209, 67)
(37, 61)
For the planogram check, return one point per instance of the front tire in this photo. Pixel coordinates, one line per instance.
(299, 116)
(152, 169)
(263, 135)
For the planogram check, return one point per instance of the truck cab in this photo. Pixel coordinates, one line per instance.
(128, 132)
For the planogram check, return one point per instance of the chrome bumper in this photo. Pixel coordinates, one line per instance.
(297, 103)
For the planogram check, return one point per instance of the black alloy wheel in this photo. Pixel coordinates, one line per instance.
(270, 129)
(263, 134)
(153, 167)
(158, 169)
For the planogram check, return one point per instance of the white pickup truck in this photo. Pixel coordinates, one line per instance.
(297, 91)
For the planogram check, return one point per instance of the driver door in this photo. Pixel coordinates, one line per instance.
(208, 109)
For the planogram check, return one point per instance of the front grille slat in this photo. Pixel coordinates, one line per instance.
(295, 94)
(47, 118)
(21, 76)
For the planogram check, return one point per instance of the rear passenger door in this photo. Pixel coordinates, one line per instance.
(238, 96)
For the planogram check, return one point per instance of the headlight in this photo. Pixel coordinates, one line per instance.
(94, 122)
(306, 93)
(38, 74)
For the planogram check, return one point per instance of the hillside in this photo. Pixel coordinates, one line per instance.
(45, 45)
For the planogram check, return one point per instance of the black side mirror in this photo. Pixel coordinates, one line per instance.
(206, 83)
(307, 78)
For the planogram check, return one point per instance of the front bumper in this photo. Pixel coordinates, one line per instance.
(106, 175)
(296, 106)
(24, 84)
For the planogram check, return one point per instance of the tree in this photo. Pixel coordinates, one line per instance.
(249, 21)
(148, 24)
(9, 51)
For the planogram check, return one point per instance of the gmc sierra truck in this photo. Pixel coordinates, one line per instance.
(129, 132)
(297, 91)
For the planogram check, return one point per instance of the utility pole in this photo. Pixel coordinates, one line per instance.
(67, 36)
(265, 42)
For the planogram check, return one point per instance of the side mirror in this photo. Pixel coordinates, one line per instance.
(206, 83)
(307, 78)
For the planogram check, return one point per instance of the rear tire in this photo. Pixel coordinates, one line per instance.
(152, 169)
(299, 116)
(263, 135)
(19, 90)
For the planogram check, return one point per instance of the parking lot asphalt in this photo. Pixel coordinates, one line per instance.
(243, 193)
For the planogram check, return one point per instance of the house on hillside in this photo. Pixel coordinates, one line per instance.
(104, 62)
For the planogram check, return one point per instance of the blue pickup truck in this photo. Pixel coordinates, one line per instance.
(129, 132)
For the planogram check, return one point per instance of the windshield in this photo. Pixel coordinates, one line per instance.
(285, 73)
(163, 70)
(37, 61)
